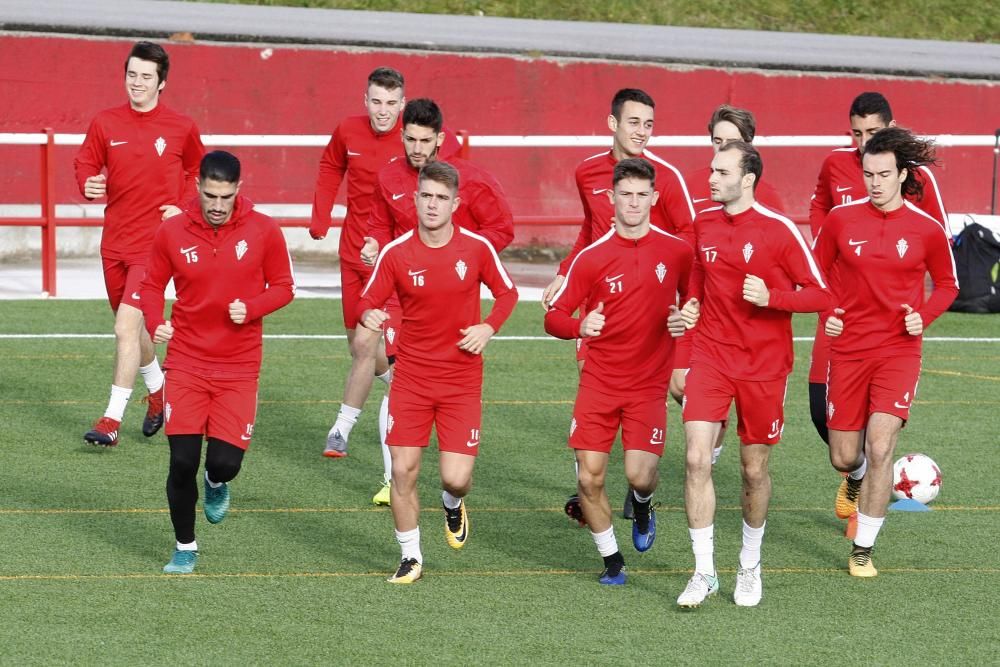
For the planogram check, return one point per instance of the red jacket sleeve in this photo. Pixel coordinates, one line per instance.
(494, 275)
(941, 266)
(559, 319)
(280, 285)
(332, 167)
(676, 206)
(585, 237)
(193, 152)
(825, 251)
(821, 202)
(800, 265)
(491, 212)
(92, 156)
(158, 273)
(381, 284)
(931, 202)
(380, 219)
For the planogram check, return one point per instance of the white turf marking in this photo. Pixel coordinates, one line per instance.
(798, 339)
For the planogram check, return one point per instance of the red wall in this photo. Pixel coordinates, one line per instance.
(60, 82)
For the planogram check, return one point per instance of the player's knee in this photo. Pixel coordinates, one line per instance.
(754, 474)
(223, 460)
(457, 485)
(698, 462)
(183, 465)
(843, 461)
(591, 483)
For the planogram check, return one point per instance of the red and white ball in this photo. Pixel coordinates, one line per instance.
(917, 477)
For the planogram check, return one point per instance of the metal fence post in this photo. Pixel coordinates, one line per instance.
(48, 214)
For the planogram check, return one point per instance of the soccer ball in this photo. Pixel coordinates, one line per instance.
(916, 476)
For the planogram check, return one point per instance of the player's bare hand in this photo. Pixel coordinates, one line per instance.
(835, 323)
(95, 186)
(690, 312)
(551, 290)
(168, 211)
(373, 319)
(755, 291)
(675, 322)
(475, 338)
(593, 323)
(238, 312)
(163, 333)
(369, 251)
(913, 321)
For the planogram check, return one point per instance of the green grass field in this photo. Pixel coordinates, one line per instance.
(295, 575)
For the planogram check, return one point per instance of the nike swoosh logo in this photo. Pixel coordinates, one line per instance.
(613, 278)
(135, 295)
(901, 407)
(656, 442)
(845, 189)
(598, 191)
(351, 153)
(708, 247)
(698, 201)
(185, 251)
(416, 273)
(773, 435)
(118, 143)
(472, 443)
(853, 242)
(400, 195)
(245, 437)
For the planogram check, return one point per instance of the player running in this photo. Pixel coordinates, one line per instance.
(631, 276)
(727, 124)
(230, 268)
(631, 123)
(880, 249)
(753, 270)
(150, 154)
(359, 147)
(841, 182)
(436, 269)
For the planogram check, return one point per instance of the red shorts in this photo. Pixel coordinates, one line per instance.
(859, 387)
(581, 349)
(352, 283)
(455, 411)
(597, 416)
(819, 365)
(682, 351)
(224, 409)
(759, 404)
(121, 281)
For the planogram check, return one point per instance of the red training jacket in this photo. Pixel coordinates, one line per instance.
(243, 259)
(152, 159)
(740, 339)
(880, 261)
(672, 213)
(438, 290)
(841, 181)
(358, 153)
(637, 280)
(483, 208)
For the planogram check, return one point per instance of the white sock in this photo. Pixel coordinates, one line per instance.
(212, 484)
(117, 403)
(383, 424)
(860, 471)
(450, 501)
(386, 377)
(868, 528)
(346, 419)
(606, 542)
(752, 538)
(641, 499)
(409, 544)
(152, 376)
(703, 546)
(192, 546)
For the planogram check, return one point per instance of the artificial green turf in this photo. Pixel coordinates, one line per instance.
(295, 574)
